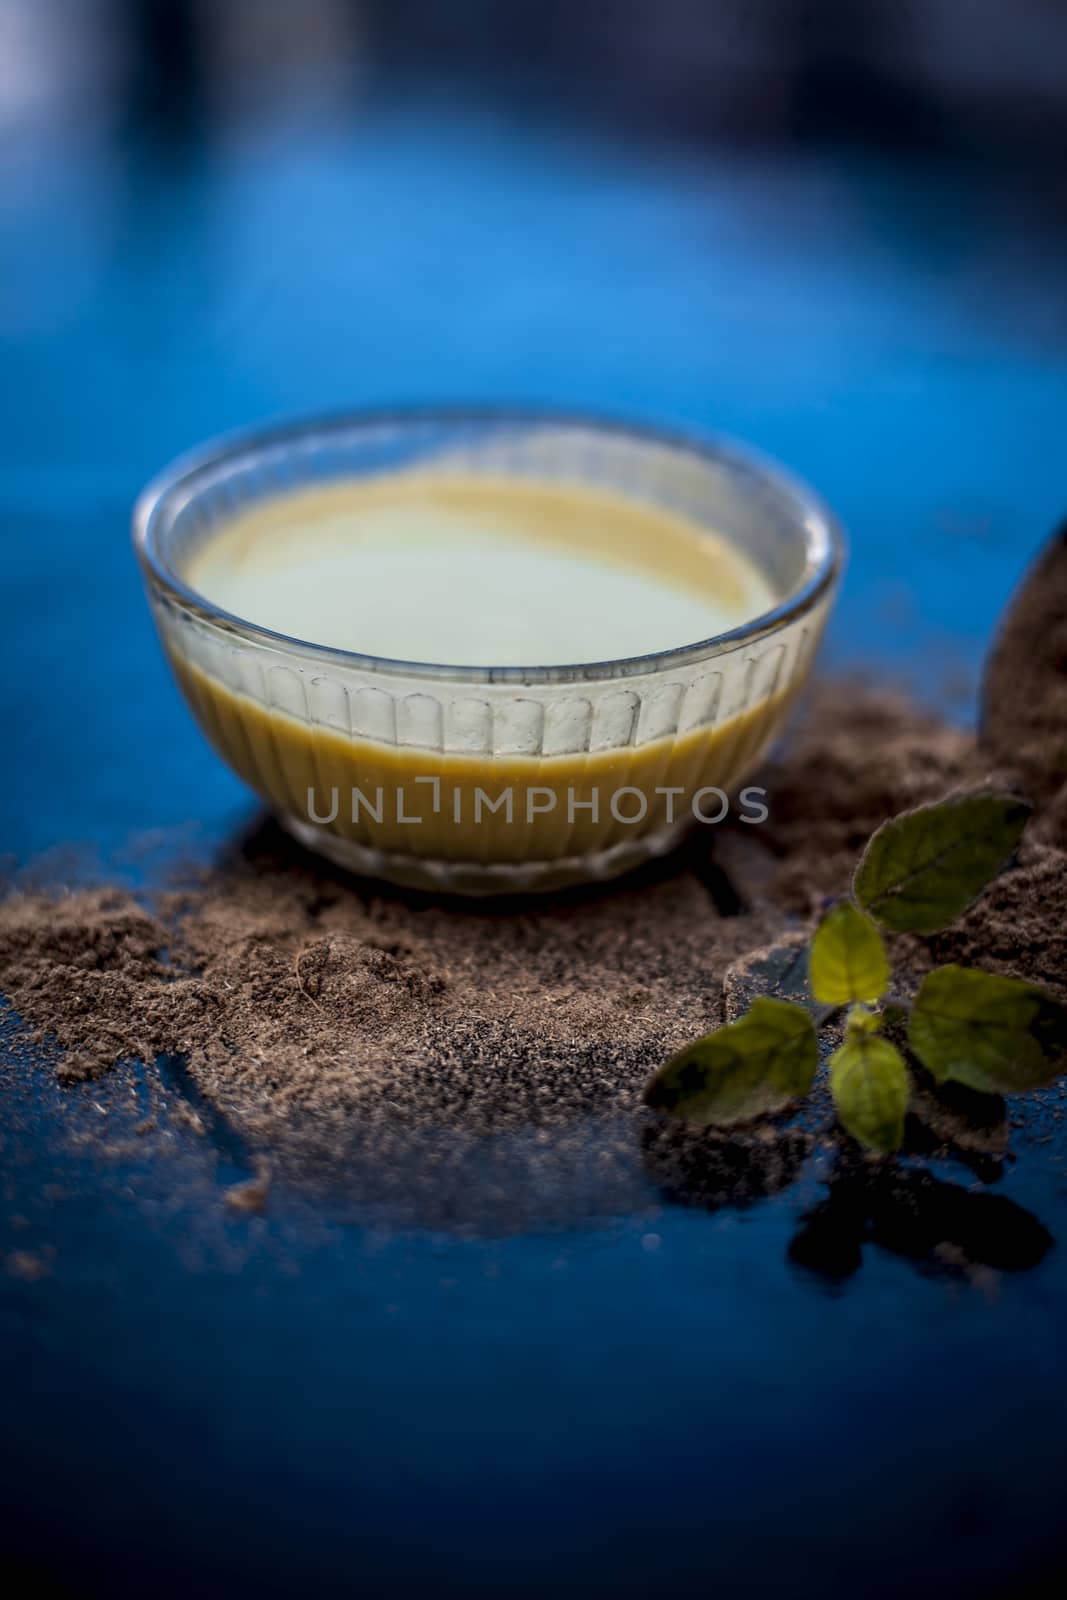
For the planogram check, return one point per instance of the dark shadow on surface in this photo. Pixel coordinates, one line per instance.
(939, 1226)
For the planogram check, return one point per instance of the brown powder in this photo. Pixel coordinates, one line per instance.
(1023, 720)
(338, 1025)
(290, 987)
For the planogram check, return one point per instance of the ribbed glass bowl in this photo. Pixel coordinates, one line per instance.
(348, 749)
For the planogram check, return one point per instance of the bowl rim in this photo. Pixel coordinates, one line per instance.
(170, 490)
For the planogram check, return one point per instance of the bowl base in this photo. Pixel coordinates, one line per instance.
(482, 878)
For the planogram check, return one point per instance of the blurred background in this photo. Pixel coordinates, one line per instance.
(835, 229)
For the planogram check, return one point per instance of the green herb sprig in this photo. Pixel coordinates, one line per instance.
(919, 873)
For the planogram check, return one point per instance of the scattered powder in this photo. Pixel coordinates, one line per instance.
(344, 1026)
(292, 990)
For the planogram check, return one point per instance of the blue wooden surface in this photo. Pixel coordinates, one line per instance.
(305, 1403)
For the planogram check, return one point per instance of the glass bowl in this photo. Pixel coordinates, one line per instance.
(487, 779)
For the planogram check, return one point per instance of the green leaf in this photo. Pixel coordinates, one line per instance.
(758, 1064)
(870, 1086)
(922, 870)
(848, 959)
(997, 1035)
